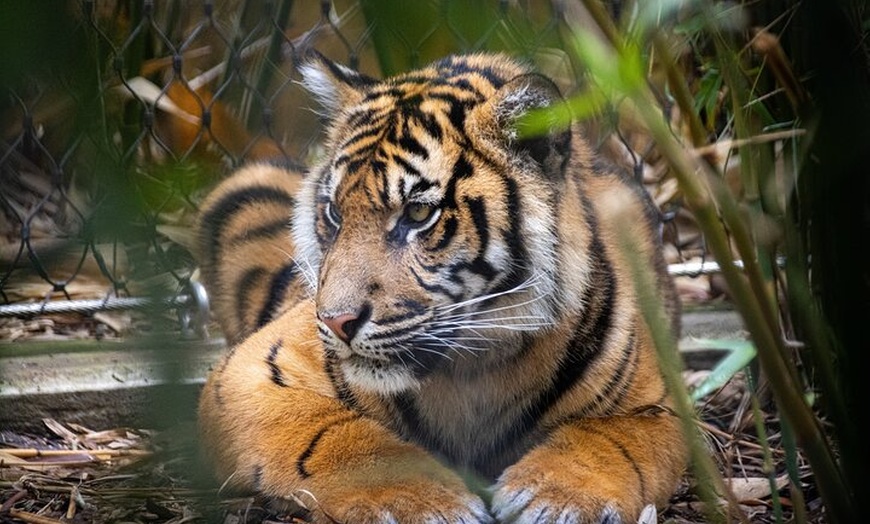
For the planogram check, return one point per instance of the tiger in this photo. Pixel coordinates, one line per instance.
(433, 323)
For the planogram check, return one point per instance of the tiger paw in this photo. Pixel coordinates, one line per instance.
(404, 501)
(536, 496)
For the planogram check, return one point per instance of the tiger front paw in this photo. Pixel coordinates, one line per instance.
(400, 503)
(541, 496)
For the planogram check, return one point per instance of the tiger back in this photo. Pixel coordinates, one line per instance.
(438, 295)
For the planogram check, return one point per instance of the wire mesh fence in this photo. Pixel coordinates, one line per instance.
(139, 107)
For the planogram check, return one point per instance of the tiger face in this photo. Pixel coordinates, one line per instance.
(423, 254)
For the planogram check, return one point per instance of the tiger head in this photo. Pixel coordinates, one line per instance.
(429, 228)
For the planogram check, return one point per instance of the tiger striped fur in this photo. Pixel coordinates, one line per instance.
(439, 297)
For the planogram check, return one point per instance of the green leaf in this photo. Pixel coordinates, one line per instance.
(621, 71)
(579, 107)
(707, 98)
(741, 353)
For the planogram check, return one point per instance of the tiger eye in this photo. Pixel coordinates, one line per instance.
(419, 213)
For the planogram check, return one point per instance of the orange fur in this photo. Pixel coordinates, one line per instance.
(451, 300)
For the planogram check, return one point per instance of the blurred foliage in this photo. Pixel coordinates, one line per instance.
(804, 197)
(405, 37)
(128, 113)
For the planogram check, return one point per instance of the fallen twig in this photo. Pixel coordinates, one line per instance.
(33, 518)
(104, 454)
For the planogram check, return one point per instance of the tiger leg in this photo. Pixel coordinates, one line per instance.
(594, 470)
(272, 424)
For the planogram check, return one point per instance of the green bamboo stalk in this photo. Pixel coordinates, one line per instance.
(810, 434)
(791, 459)
(789, 398)
(680, 90)
(728, 207)
(754, 308)
(766, 455)
(710, 482)
(753, 168)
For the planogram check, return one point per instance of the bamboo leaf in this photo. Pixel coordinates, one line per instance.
(741, 353)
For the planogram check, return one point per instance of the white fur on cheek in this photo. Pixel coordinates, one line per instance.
(384, 381)
(304, 231)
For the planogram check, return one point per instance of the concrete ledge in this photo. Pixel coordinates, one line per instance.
(153, 381)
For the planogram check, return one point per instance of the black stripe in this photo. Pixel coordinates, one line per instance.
(457, 114)
(269, 229)
(456, 65)
(361, 156)
(480, 266)
(625, 454)
(360, 135)
(342, 391)
(448, 95)
(618, 386)
(306, 454)
(431, 126)
(466, 86)
(486, 72)
(389, 91)
(512, 237)
(412, 145)
(434, 288)
(582, 350)
(276, 374)
(351, 78)
(376, 201)
(411, 170)
(414, 426)
(415, 78)
(421, 186)
(396, 332)
(400, 317)
(461, 169)
(361, 118)
(449, 226)
(244, 286)
(429, 268)
(379, 168)
(225, 209)
(458, 108)
(281, 281)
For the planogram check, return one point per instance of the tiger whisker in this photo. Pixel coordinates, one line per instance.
(409, 351)
(494, 325)
(517, 322)
(469, 319)
(450, 344)
(304, 266)
(527, 284)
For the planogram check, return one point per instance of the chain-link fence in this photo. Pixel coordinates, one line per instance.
(117, 117)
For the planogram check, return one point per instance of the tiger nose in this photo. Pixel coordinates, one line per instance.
(347, 325)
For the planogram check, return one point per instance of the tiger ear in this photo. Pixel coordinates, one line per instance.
(333, 85)
(550, 149)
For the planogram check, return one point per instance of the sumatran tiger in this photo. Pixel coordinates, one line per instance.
(433, 324)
